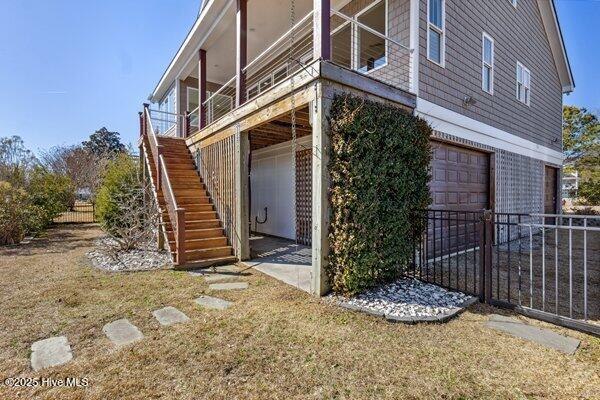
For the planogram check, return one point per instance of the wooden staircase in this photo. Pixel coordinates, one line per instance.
(202, 241)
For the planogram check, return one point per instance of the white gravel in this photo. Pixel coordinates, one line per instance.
(107, 259)
(406, 298)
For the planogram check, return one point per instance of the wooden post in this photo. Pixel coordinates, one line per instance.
(201, 89)
(241, 51)
(242, 201)
(321, 30)
(180, 240)
(320, 187)
(140, 115)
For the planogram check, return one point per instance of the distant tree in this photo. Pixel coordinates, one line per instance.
(581, 146)
(581, 137)
(81, 165)
(15, 160)
(104, 143)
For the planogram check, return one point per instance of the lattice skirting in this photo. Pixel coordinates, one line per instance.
(304, 197)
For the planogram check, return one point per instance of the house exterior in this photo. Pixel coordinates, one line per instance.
(246, 91)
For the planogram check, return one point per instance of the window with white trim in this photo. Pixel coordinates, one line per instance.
(523, 84)
(193, 100)
(436, 31)
(487, 59)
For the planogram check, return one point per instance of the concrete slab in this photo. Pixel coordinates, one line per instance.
(212, 302)
(283, 260)
(122, 332)
(534, 334)
(229, 286)
(169, 316)
(50, 352)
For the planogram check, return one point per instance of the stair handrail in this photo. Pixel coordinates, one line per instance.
(155, 148)
(176, 213)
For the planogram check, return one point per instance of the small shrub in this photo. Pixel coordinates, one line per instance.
(379, 161)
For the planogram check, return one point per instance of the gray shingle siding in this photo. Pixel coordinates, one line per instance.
(518, 35)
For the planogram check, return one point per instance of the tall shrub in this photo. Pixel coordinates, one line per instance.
(379, 163)
(120, 178)
(13, 213)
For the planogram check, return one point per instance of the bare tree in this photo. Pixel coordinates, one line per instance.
(84, 167)
(139, 221)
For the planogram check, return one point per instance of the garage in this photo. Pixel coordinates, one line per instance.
(460, 181)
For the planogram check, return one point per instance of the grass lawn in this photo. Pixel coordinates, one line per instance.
(274, 342)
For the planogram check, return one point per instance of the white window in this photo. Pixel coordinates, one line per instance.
(487, 70)
(371, 48)
(523, 84)
(361, 44)
(193, 100)
(271, 80)
(435, 31)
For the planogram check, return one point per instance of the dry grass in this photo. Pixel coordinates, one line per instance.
(275, 342)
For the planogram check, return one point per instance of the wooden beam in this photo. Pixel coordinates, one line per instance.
(242, 202)
(241, 51)
(202, 89)
(321, 30)
(320, 192)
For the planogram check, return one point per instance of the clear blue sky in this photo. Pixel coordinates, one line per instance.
(69, 67)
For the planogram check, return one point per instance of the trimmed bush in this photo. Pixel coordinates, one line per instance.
(379, 167)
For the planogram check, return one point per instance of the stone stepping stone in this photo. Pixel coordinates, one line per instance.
(212, 302)
(534, 334)
(169, 316)
(122, 332)
(229, 286)
(50, 352)
(218, 273)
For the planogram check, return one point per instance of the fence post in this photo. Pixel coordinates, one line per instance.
(486, 235)
(180, 240)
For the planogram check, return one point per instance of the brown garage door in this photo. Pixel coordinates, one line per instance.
(459, 182)
(460, 178)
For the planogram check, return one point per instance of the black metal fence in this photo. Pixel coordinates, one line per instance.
(545, 266)
(80, 213)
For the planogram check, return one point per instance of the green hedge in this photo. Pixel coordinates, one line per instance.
(379, 163)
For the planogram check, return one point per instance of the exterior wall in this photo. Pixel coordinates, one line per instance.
(518, 36)
(397, 70)
(272, 186)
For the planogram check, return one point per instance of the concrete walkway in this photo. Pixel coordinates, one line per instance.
(283, 260)
(544, 337)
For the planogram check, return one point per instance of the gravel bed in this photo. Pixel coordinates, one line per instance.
(106, 258)
(407, 300)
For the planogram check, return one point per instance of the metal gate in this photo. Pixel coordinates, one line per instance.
(81, 213)
(545, 266)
